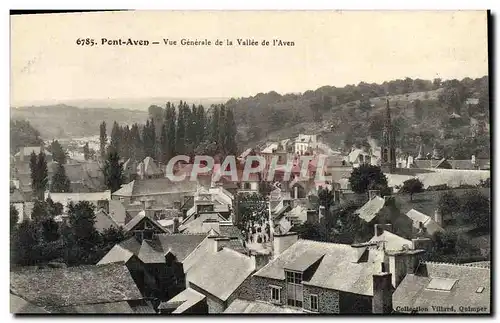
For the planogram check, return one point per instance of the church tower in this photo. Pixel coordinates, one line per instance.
(388, 163)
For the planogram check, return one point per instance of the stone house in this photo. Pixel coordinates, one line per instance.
(331, 278)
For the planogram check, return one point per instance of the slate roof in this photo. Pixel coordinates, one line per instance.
(418, 217)
(125, 190)
(230, 230)
(467, 163)
(222, 273)
(26, 151)
(65, 198)
(201, 252)
(242, 306)
(180, 245)
(430, 163)
(117, 212)
(370, 209)
(104, 221)
(414, 290)
(138, 218)
(145, 187)
(21, 306)
(115, 255)
(337, 269)
(187, 298)
(59, 287)
(150, 167)
(195, 225)
(392, 241)
(151, 253)
(101, 308)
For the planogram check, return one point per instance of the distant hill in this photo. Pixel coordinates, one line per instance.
(423, 111)
(82, 117)
(63, 121)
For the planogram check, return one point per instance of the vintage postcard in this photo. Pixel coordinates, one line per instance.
(250, 162)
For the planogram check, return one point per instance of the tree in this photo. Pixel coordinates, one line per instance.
(450, 246)
(39, 174)
(34, 171)
(86, 151)
(136, 152)
(310, 231)
(231, 131)
(103, 139)
(24, 242)
(252, 209)
(39, 211)
(58, 153)
(365, 106)
(23, 134)
(180, 132)
(214, 124)
(167, 134)
(448, 203)
(60, 182)
(346, 227)
(115, 142)
(14, 218)
(367, 177)
(113, 171)
(316, 111)
(475, 209)
(80, 236)
(418, 110)
(49, 229)
(81, 218)
(53, 209)
(412, 186)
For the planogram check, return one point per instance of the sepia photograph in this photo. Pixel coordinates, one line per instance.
(250, 162)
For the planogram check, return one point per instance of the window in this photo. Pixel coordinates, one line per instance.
(275, 294)
(294, 288)
(480, 289)
(314, 302)
(246, 186)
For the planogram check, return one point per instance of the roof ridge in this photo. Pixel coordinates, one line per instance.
(324, 242)
(181, 234)
(453, 264)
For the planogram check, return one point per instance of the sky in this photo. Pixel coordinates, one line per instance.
(331, 48)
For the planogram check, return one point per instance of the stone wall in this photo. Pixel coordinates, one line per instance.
(328, 300)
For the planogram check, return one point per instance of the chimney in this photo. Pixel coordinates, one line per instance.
(103, 204)
(218, 243)
(260, 259)
(209, 224)
(321, 212)
(382, 293)
(380, 228)
(312, 216)
(438, 217)
(402, 263)
(175, 228)
(141, 170)
(147, 203)
(281, 242)
(373, 193)
(336, 196)
(421, 243)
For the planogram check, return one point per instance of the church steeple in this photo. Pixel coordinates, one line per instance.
(388, 143)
